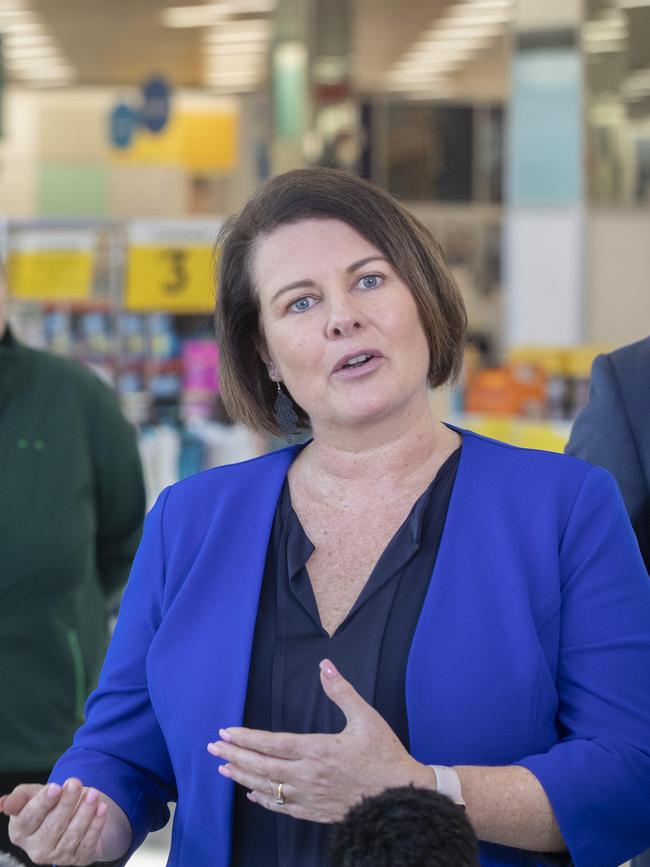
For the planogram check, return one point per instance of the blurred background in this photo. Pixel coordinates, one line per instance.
(518, 131)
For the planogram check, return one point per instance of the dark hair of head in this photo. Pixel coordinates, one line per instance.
(321, 193)
(405, 827)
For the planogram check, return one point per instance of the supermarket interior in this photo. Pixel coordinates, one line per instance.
(517, 132)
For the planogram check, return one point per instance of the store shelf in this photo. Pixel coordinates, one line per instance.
(549, 436)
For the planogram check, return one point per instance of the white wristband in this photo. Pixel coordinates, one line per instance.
(448, 783)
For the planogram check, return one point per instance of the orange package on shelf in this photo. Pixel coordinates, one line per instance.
(494, 391)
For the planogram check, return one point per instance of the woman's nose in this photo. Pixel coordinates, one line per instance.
(344, 320)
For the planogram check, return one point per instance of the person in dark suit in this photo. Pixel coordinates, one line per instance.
(613, 430)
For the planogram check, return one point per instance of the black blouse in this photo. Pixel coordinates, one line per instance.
(370, 648)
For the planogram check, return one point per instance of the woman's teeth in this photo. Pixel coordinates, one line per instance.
(358, 359)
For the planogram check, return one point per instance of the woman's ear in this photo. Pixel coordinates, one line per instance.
(274, 374)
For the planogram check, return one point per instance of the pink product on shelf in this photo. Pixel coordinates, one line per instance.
(200, 366)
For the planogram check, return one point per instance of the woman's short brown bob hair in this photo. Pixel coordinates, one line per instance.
(248, 393)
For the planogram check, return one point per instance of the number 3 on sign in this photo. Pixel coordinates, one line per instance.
(174, 279)
(178, 271)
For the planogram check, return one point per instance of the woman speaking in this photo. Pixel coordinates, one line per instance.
(395, 602)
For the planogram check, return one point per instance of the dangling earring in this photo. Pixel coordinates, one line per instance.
(285, 412)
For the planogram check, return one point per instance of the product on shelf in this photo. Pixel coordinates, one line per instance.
(57, 326)
(200, 378)
(536, 382)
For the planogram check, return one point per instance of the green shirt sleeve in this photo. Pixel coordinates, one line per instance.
(119, 491)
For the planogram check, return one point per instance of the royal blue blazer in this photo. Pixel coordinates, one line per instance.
(532, 648)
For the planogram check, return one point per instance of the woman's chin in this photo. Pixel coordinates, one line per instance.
(363, 413)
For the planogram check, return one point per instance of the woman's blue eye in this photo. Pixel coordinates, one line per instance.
(370, 281)
(301, 304)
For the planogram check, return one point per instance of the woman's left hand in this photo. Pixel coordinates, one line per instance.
(322, 776)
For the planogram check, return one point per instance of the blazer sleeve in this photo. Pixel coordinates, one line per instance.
(120, 748)
(597, 777)
(602, 435)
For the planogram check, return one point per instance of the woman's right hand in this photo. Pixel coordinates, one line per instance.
(60, 825)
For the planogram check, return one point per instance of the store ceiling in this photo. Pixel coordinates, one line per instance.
(121, 41)
(125, 41)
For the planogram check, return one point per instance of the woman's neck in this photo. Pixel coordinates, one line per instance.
(399, 450)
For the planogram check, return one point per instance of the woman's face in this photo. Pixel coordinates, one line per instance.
(341, 327)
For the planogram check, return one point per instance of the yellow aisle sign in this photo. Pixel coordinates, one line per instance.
(51, 266)
(169, 266)
(174, 279)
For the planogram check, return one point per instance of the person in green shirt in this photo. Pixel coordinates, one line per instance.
(71, 510)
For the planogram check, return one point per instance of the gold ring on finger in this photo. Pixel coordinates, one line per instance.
(279, 797)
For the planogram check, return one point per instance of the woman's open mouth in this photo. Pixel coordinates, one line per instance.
(359, 364)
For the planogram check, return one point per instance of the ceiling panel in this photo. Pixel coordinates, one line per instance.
(123, 42)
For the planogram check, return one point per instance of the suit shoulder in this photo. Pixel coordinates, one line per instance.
(511, 460)
(635, 354)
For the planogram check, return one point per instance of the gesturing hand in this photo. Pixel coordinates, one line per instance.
(322, 776)
(55, 824)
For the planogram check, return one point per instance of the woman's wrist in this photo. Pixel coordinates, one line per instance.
(117, 833)
(448, 783)
(423, 777)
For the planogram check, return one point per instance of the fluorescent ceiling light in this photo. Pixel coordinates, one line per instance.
(476, 18)
(250, 49)
(230, 59)
(606, 27)
(22, 30)
(642, 77)
(489, 13)
(35, 39)
(206, 15)
(43, 68)
(418, 75)
(239, 82)
(486, 4)
(13, 11)
(442, 64)
(440, 51)
(432, 42)
(419, 72)
(604, 37)
(18, 27)
(449, 46)
(33, 51)
(436, 53)
(235, 73)
(460, 35)
(256, 24)
(238, 36)
(603, 48)
(243, 69)
(423, 89)
(451, 41)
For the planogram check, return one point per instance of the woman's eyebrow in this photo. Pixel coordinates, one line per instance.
(356, 265)
(309, 284)
(298, 284)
